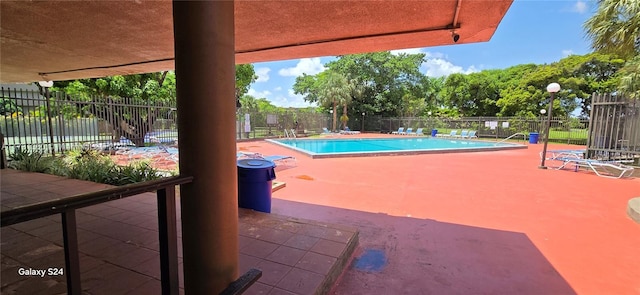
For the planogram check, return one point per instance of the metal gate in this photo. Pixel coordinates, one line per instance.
(614, 132)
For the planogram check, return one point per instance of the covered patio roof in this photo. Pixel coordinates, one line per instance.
(62, 40)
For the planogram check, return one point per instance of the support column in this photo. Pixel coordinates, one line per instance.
(205, 73)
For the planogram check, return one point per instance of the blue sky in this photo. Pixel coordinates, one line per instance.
(532, 31)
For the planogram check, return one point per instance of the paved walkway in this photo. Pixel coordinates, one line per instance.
(118, 244)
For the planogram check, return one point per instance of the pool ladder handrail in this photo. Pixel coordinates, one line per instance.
(524, 137)
(290, 134)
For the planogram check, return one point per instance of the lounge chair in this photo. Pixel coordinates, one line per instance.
(273, 158)
(563, 154)
(325, 130)
(348, 131)
(452, 134)
(470, 135)
(409, 131)
(418, 132)
(400, 131)
(280, 159)
(462, 134)
(600, 168)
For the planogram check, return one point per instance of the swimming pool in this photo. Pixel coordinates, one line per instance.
(330, 148)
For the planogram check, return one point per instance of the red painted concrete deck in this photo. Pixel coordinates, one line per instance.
(473, 223)
(470, 223)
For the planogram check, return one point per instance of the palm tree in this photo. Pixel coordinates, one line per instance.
(334, 89)
(615, 27)
(630, 81)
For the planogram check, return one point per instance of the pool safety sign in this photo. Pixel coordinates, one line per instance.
(491, 124)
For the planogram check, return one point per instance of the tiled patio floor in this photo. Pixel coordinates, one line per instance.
(118, 244)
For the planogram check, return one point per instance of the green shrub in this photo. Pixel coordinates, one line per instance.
(92, 166)
(31, 161)
(135, 172)
(85, 164)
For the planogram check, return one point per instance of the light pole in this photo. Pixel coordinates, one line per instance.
(331, 120)
(362, 129)
(552, 89)
(46, 85)
(542, 112)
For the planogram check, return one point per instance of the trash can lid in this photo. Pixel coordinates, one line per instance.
(255, 164)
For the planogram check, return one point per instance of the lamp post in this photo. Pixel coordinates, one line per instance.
(552, 89)
(331, 120)
(542, 112)
(362, 129)
(46, 85)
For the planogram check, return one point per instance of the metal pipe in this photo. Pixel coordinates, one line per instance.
(46, 96)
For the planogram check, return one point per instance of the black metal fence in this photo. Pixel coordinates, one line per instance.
(56, 122)
(263, 125)
(615, 131)
(563, 129)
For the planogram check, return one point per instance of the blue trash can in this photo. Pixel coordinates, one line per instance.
(254, 184)
(533, 137)
(434, 132)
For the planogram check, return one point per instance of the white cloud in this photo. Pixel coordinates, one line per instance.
(567, 52)
(263, 74)
(259, 94)
(277, 88)
(309, 66)
(407, 51)
(290, 99)
(580, 7)
(437, 65)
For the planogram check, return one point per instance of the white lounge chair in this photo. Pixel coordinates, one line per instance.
(280, 159)
(470, 135)
(452, 134)
(409, 131)
(418, 132)
(462, 134)
(400, 131)
(600, 168)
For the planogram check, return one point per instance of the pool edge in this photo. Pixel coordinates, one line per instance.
(397, 153)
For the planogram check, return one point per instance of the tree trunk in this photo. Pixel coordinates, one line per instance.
(126, 120)
(335, 116)
(344, 112)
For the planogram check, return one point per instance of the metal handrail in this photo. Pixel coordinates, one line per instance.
(524, 137)
(47, 208)
(66, 207)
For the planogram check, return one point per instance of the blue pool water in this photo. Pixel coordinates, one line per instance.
(318, 148)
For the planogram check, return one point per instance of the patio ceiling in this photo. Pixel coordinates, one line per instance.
(62, 40)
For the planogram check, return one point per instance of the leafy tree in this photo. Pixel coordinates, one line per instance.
(114, 96)
(8, 106)
(457, 95)
(245, 75)
(383, 78)
(124, 101)
(615, 27)
(372, 82)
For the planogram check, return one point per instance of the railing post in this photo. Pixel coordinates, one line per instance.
(168, 240)
(71, 257)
